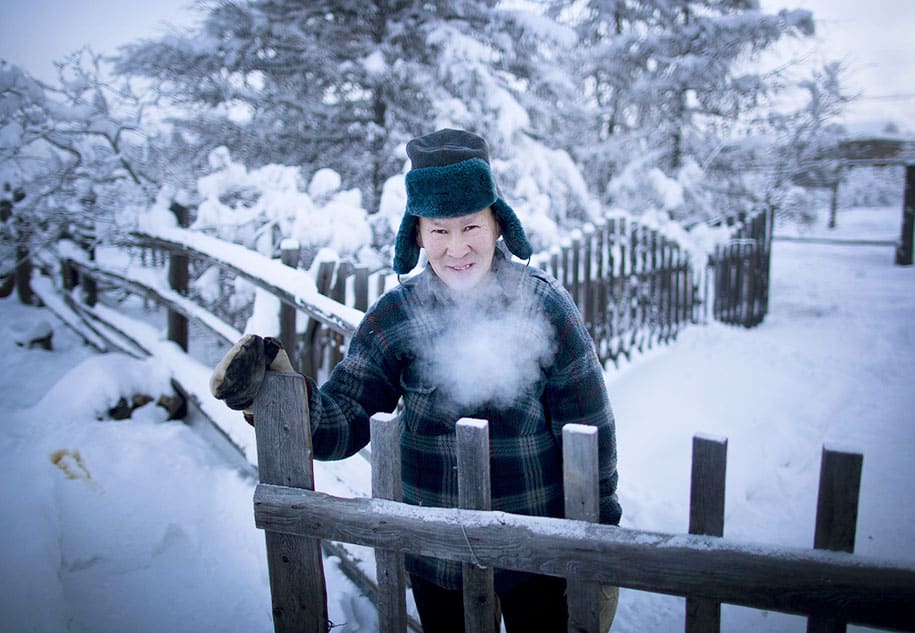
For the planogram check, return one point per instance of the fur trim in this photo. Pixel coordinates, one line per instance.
(451, 191)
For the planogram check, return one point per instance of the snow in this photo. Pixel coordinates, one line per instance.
(141, 525)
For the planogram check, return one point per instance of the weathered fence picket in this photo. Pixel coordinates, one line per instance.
(386, 484)
(474, 493)
(706, 516)
(837, 516)
(284, 457)
(582, 502)
(633, 286)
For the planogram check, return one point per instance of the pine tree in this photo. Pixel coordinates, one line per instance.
(339, 84)
(666, 76)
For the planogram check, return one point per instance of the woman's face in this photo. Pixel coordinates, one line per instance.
(460, 250)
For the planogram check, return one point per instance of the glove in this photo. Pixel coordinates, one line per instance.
(239, 375)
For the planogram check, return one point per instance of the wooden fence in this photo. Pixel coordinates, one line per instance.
(832, 588)
(741, 272)
(635, 287)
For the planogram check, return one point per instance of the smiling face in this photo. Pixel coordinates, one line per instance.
(460, 250)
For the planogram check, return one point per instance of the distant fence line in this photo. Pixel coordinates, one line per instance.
(741, 271)
(635, 287)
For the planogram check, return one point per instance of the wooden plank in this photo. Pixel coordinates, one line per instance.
(361, 288)
(582, 502)
(837, 516)
(794, 580)
(169, 299)
(284, 457)
(706, 516)
(229, 256)
(474, 493)
(387, 484)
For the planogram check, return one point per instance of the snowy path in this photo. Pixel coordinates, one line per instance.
(832, 363)
(140, 526)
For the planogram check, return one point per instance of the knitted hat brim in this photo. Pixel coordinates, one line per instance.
(431, 193)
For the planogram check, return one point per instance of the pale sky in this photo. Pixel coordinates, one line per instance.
(872, 37)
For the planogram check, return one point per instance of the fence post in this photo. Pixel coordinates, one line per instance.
(361, 288)
(178, 281)
(387, 484)
(837, 515)
(587, 296)
(582, 502)
(312, 358)
(289, 255)
(284, 457)
(474, 494)
(23, 271)
(706, 516)
(338, 294)
(904, 253)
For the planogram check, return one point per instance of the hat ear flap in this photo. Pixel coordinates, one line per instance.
(406, 249)
(512, 231)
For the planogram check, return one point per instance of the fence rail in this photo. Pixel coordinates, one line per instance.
(835, 586)
(635, 287)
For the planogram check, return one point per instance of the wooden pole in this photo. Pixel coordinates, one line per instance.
(904, 251)
(178, 281)
(361, 288)
(474, 494)
(706, 516)
(582, 502)
(23, 273)
(284, 457)
(387, 484)
(837, 516)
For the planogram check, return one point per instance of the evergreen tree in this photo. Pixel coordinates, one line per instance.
(339, 84)
(74, 151)
(666, 77)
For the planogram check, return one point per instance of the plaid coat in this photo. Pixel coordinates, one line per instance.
(389, 359)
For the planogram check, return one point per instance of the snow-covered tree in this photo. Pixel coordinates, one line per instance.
(74, 150)
(343, 85)
(670, 79)
(319, 84)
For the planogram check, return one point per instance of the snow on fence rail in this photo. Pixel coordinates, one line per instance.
(831, 587)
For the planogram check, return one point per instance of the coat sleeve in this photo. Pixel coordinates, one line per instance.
(365, 382)
(577, 393)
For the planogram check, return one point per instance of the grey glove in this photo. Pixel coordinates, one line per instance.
(239, 375)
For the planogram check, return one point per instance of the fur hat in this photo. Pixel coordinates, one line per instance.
(450, 177)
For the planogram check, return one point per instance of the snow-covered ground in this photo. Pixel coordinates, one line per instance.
(141, 526)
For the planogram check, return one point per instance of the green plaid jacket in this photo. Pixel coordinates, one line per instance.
(388, 360)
